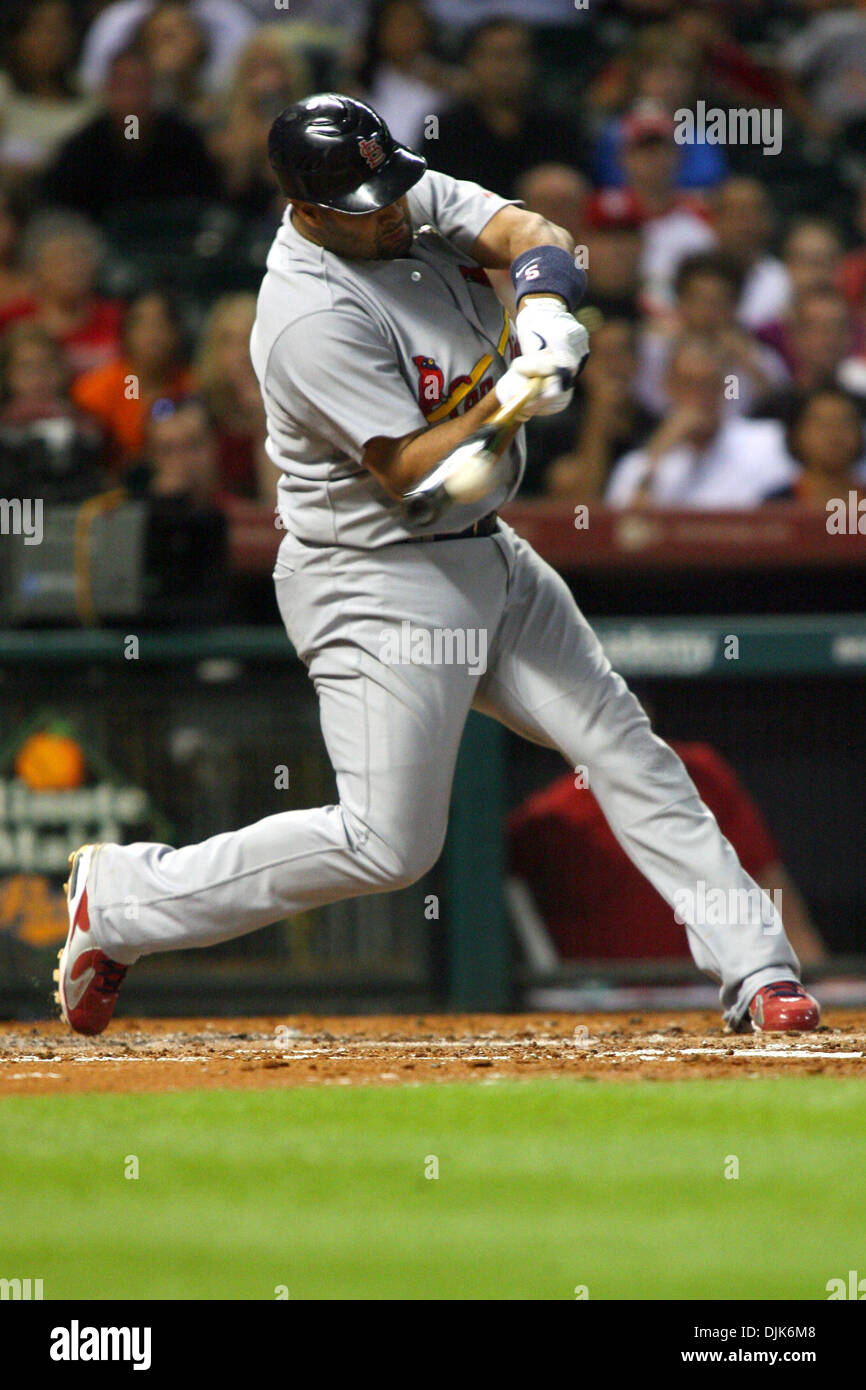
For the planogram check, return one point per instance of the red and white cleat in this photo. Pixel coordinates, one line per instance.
(784, 1007)
(87, 980)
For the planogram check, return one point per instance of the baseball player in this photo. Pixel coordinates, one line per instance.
(388, 365)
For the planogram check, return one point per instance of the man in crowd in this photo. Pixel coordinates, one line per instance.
(504, 128)
(131, 152)
(698, 457)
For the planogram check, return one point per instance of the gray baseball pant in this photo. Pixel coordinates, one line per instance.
(392, 713)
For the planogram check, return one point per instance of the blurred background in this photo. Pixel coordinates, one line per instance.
(704, 496)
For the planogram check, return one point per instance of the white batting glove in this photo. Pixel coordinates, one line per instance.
(554, 369)
(546, 323)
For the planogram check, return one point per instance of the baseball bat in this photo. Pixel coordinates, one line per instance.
(489, 442)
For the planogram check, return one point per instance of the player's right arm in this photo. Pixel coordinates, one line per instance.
(399, 464)
(335, 372)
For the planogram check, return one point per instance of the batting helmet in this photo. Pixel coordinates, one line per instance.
(338, 153)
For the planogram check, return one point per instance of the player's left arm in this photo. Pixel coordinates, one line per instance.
(511, 231)
(548, 286)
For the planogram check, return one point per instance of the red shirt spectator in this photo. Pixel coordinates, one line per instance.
(90, 344)
(672, 224)
(595, 902)
(62, 253)
(151, 366)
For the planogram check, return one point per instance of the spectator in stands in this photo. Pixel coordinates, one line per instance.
(644, 11)
(663, 67)
(742, 220)
(319, 15)
(399, 76)
(812, 252)
(63, 254)
(269, 75)
(698, 456)
(463, 13)
(180, 453)
(33, 372)
(15, 282)
(827, 60)
(227, 25)
(604, 421)
(614, 251)
(130, 153)
(48, 448)
(819, 344)
(174, 44)
(151, 366)
(672, 224)
(852, 272)
(228, 386)
(558, 193)
(503, 128)
(825, 439)
(593, 901)
(731, 75)
(708, 288)
(40, 105)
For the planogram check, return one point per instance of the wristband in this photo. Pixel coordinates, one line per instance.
(548, 270)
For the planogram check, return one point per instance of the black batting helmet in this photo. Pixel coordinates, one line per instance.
(338, 153)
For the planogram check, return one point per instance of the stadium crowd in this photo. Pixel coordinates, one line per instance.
(727, 300)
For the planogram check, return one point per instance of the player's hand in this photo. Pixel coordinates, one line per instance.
(545, 322)
(557, 375)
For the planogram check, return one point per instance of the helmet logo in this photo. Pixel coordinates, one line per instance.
(371, 150)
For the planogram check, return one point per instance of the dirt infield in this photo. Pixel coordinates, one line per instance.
(179, 1054)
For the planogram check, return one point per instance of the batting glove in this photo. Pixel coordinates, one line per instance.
(546, 323)
(557, 374)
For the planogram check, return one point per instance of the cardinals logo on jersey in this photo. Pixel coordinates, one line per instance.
(431, 383)
(371, 150)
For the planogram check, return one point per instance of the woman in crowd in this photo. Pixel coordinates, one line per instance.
(269, 75)
(151, 364)
(175, 47)
(39, 103)
(825, 439)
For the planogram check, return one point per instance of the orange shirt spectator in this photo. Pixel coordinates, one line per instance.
(121, 393)
(103, 393)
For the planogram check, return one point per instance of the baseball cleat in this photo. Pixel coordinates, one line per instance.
(784, 1007)
(87, 981)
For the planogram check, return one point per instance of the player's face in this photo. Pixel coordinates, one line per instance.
(367, 236)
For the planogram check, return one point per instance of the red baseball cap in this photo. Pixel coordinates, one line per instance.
(614, 209)
(647, 121)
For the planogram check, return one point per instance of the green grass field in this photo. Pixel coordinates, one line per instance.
(542, 1187)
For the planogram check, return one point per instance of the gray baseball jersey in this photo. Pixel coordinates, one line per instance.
(349, 350)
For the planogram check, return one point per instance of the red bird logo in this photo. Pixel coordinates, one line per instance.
(431, 383)
(371, 150)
